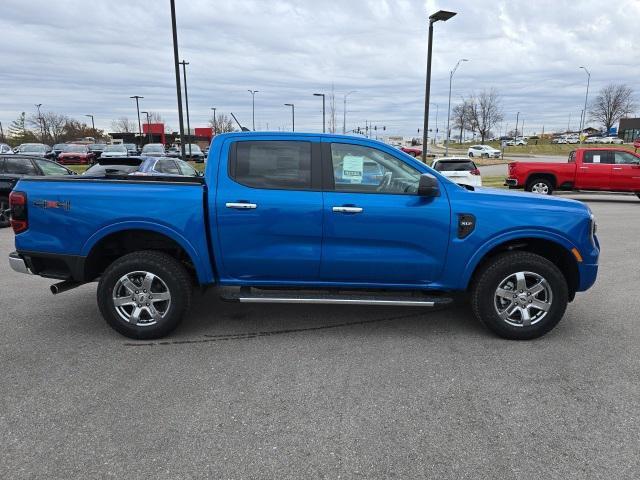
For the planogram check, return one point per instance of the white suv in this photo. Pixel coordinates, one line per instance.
(615, 140)
(483, 151)
(459, 169)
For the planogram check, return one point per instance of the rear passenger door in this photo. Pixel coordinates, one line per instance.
(595, 171)
(625, 172)
(269, 211)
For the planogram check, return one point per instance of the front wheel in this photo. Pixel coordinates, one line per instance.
(540, 185)
(144, 294)
(4, 212)
(520, 295)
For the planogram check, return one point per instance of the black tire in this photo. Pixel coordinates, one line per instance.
(485, 298)
(4, 217)
(470, 154)
(173, 278)
(540, 185)
(638, 194)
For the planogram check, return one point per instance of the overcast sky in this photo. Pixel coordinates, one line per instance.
(79, 57)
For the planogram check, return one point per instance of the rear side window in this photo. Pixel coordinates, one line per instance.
(597, 156)
(50, 168)
(455, 166)
(20, 166)
(272, 164)
(167, 167)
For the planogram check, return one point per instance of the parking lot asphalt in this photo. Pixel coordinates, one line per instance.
(277, 391)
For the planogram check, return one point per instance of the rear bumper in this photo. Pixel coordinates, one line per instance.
(17, 264)
(511, 182)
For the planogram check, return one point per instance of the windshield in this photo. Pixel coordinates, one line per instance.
(32, 148)
(58, 146)
(115, 148)
(97, 146)
(74, 149)
(130, 146)
(194, 148)
(153, 149)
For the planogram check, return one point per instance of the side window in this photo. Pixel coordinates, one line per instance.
(20, 166)
(186, 169)
(50, 168)
(625, 158)
(597, 156)
(368, 170)
(572, 157)
(272, 164)
(167, 167)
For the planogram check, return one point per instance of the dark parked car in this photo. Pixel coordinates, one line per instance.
(141, 166)
(57, 149)
(14, 167)
(97, 149)
(35, 149)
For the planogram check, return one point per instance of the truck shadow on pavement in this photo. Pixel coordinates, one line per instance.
(213, 320)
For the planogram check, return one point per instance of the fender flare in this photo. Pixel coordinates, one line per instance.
(509, 236)
(203, 270)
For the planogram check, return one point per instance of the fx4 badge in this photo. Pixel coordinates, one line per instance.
(51, 204)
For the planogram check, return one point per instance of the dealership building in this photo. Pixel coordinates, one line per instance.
(629, 129)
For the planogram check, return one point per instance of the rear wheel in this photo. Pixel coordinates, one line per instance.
(4, 212)
(638, 194)
(540, 185)
(520, 295)
(144, 294)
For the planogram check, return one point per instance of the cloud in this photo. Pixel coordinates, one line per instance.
(79, 57)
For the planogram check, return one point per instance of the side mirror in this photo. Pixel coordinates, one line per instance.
(428, 186)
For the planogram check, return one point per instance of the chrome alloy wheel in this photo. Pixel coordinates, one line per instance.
(141, 298)
(523, 299)
(541, 188)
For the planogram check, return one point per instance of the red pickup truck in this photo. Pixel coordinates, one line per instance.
(603, 169)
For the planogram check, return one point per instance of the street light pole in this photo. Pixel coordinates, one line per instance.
(214, 120)
(176, 64)
(186, 101)
(253, 107)
(323, 111)
(138, 97)
(38, 105)
(93, 124)
(293, 115)
(515, 137)
(148, 127)
(440, 15)
(446, 151)
(344, 112)
(583, 120)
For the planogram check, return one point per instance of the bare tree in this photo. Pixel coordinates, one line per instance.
(124, 125)
(612, 103)
(461, 117)
(223, 123)
(51, 124)
(485, 112)
(155, 117)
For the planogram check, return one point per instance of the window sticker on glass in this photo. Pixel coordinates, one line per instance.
(596, 159)
(352, 168)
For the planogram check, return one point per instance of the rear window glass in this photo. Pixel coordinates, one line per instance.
(463, 166)
(273, 164)
(113, 169)
(19, 166)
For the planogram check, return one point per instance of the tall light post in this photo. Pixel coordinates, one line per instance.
(253, 107)
(440, 15)
(38, 105)
(344, 111)
(323, 111)
(583, 118)
(176, 64)
(515, 137)
(138, 97)
(293, 115)
(446, 150)
(214, 120)
(93, 123)
(148, 127)
(186, 101)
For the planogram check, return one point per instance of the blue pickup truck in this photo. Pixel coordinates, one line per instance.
(305, 218)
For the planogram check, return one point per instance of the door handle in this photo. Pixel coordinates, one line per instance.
(347, 209)
(617, 168)
(241, 205)
(584, 168)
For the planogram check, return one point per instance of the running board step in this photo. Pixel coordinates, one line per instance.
(337, 299)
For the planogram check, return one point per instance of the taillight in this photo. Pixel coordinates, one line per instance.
(475, 171)
(19, 218)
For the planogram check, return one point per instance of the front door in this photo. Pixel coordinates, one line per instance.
(377, 231)
(595, 171)
(269, 211)
(625, 172)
